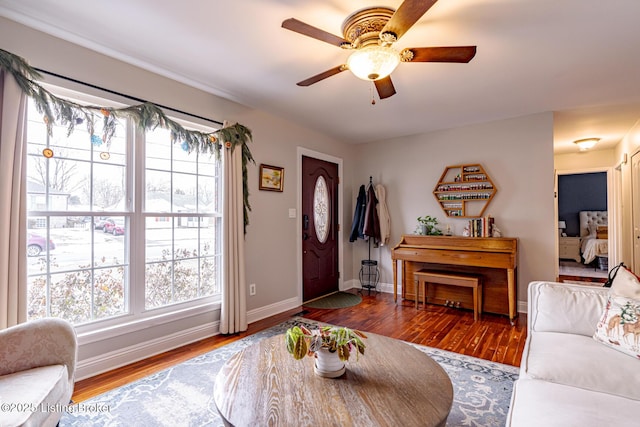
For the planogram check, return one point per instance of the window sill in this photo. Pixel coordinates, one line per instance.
(88, 334)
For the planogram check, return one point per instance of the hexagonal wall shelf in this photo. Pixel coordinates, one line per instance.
(464, 191)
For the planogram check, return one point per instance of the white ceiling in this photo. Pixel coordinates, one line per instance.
(578, 58)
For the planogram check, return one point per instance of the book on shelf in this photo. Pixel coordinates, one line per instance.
(481, 227)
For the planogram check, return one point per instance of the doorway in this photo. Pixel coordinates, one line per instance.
(319, 226)
(635, 209)
(584, 190)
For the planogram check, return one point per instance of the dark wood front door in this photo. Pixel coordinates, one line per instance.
(319, 228)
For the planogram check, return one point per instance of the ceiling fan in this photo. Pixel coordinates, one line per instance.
(370, 33)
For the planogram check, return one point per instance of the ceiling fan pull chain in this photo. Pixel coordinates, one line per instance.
(373, 98)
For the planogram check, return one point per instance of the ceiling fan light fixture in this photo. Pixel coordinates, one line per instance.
(373, 62)
(587, 143)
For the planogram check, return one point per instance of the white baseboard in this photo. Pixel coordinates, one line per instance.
(382, 287)
(350, 284)
(273, 309)
(522, 306)
(105, 362)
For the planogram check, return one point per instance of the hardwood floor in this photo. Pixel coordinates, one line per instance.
(570, 279)
(490, 338)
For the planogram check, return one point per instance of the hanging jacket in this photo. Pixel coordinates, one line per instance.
(383, 215)
(358, 216)
(371, 220)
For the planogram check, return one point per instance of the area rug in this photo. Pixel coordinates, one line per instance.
(182, 395)
(336, 300)
(572, 268)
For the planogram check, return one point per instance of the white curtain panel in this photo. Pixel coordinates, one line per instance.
(233, 313)
(13, 262)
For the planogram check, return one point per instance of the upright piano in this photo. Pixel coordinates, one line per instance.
(494, 259)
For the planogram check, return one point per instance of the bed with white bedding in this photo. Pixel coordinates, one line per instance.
(592, 246)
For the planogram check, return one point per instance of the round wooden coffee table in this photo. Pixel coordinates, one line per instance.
(392, 384)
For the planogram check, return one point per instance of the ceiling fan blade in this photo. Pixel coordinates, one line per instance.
(313, 32)
(406, 15)
(385, 87)
(322, 76)
(442, 54)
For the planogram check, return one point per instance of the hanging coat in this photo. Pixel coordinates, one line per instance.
(383, 215)
(371, 220)
(358, 216)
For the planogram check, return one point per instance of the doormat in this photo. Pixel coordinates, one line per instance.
(337, 300)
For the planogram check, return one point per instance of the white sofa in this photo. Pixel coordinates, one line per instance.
(566, 377)
(37, 367)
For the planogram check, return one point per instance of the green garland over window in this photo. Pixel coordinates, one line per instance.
(147, 116)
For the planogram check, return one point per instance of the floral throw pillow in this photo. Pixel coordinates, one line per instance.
(619, 326)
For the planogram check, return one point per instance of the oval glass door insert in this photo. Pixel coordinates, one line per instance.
(321, 209)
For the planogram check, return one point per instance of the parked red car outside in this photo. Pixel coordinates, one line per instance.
(36, 244)
(114, 226)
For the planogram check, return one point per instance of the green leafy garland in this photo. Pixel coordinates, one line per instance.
(147, 115)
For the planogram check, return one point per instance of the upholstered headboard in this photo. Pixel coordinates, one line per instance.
(591, 219)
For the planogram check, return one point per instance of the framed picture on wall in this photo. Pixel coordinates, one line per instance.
(271, 178)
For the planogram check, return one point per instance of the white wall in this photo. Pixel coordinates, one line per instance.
(517, 154)
(581, 161)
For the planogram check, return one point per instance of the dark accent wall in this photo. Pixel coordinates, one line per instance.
(580, 192)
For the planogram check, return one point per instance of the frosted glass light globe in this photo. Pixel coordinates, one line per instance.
(373, 62)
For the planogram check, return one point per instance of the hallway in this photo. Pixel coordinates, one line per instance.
(572, 271)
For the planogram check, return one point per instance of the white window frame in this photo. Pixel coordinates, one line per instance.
(138, 318)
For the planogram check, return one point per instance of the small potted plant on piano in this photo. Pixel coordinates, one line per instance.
(331, 346)
(427, 226)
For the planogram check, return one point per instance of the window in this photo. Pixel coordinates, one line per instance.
(321, 209)
(181, 200)
(96, 210)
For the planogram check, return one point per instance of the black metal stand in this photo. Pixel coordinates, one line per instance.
(369, 275)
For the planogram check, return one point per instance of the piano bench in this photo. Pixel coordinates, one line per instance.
(423, 277)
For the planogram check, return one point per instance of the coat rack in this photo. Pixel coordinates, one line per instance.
(369, 272)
